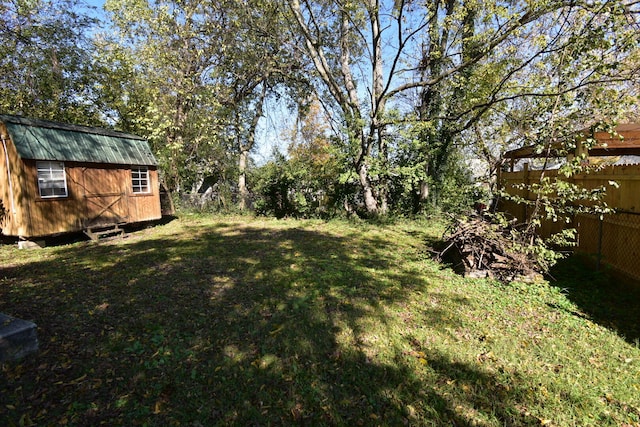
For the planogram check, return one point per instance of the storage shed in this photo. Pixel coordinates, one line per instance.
(58, 178)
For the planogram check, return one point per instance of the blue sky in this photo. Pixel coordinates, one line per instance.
(98, 4)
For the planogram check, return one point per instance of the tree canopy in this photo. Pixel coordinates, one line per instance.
(410, 90)
(46, 68)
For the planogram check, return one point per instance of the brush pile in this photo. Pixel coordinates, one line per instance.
(477, 247)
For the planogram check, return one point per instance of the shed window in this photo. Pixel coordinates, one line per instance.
(140, 179)
(52, 181)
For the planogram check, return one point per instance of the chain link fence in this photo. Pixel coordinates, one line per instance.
(613, 240)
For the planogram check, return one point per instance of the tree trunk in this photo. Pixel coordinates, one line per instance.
(370, 201)
(342, 87)
(423, 191)
(244, 202)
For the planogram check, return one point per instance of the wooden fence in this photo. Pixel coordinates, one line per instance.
(613, 240)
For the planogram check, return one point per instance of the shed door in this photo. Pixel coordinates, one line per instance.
(105, 194)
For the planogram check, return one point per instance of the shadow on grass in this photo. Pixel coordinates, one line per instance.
(607, 300)
(228, 325)
(69, 238)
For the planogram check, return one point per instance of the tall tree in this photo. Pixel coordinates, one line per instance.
(532, 52)
(458, 58)
(257, 67)
(171, 49)
(333, 32)
(206, 70)
(45, 61)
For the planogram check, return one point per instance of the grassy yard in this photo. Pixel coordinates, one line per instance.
(237, 321)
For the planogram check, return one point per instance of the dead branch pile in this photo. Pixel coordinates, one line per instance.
(479, 248)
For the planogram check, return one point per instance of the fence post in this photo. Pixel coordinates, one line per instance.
(599, 256)
(525, 179)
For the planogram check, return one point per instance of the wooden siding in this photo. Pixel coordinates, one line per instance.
(146, 205)
(104, 194)
(98, 195)
(13, 194)
(52, 215)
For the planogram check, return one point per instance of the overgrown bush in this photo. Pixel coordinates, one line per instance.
(298, 187)
(274, 190)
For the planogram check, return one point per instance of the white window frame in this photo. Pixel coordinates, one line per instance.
(140, 180)
(52, 179)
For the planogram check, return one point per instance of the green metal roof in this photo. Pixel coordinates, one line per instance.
(44, 140)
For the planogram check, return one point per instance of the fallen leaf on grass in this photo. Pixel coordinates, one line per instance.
(277, 330)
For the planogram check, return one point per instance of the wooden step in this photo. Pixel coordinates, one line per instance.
(96, 233)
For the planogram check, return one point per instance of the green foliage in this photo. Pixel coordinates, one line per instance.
(547, 102)
(555, 70)
(459, 195)
(454, 192)
(46, 69)
(274, 190)
(411, 89)
(299, 187)
(219, 198)
(554, 199)
(311, 182)
(160, 81)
